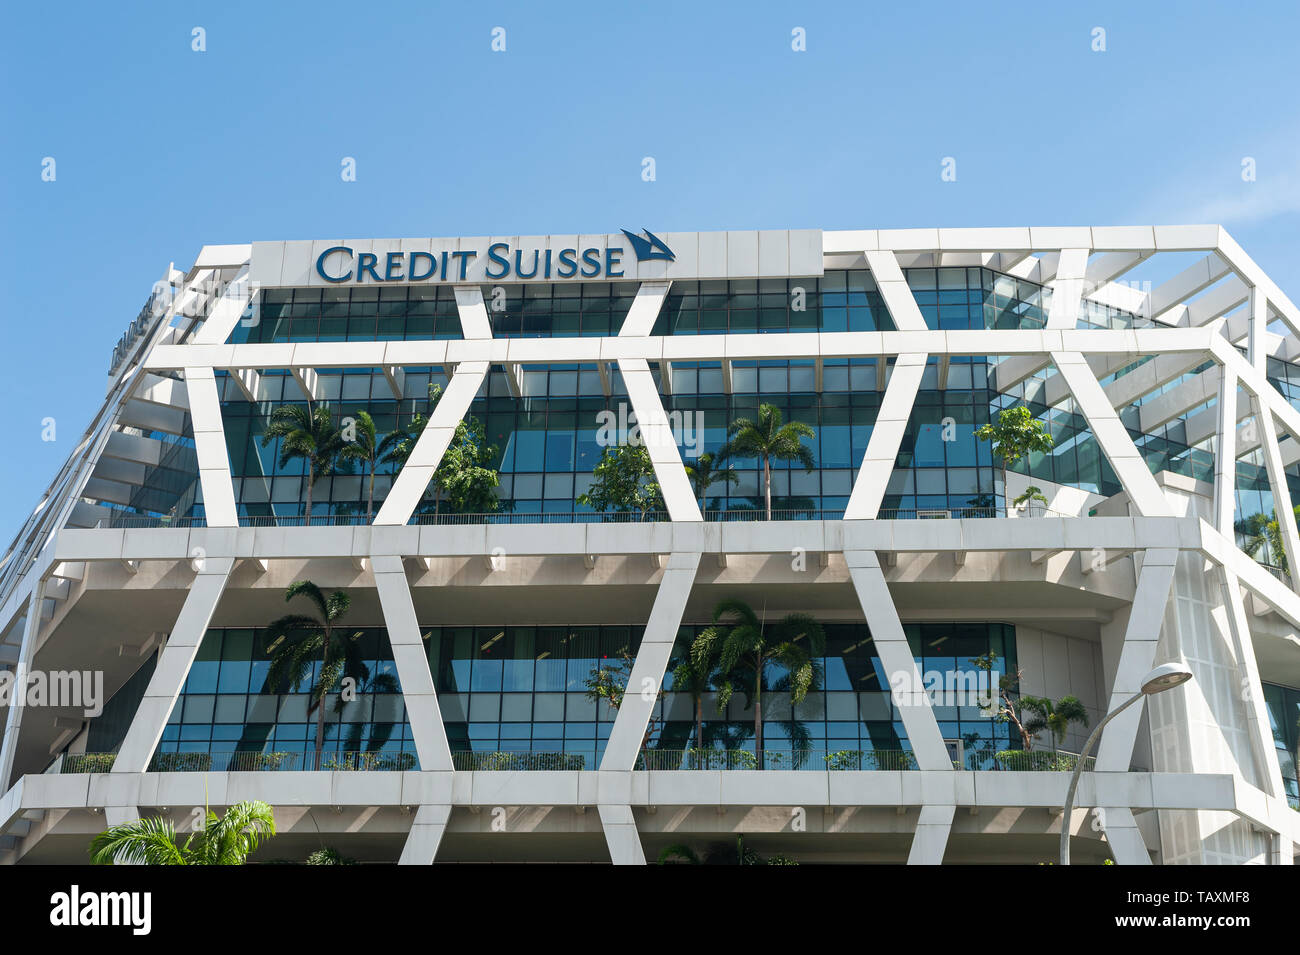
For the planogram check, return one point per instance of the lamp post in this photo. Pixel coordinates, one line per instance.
(1164, 677)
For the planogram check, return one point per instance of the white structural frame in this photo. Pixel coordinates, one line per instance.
(1194, 320)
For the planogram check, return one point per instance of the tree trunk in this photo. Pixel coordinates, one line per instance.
(767, 485)
(1006, 491)
(320, 727)
(699, 721)
(370, 498)
(307, 518)
(758, 719)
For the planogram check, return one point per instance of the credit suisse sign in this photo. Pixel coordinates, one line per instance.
(627, 255)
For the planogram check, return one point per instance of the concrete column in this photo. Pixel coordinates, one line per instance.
(657, 434)
(414, 477)
(651, 662)
(1067, 288)
(210, 448)
(896, 657)
(640, 319)
(621, 835)
(1111, 435)
(1126, 842)
(421, 846)
(895, 291)
(173, 666)
(931, 837)
(14, 715)
(1258, 725)
(1225, 457)
(886, 436)
(1136, 658)
(412, 662)
(1277, 483)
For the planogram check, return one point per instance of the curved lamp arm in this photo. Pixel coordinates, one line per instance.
(1078, 768)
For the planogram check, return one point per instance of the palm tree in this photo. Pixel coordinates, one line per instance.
(226, 841)
(306, 433)
(1054, 717)
(1263, 532)
(694, 672)
(295, 641)
(366, 450)
(768, 439)
(749, 646)
(707, 471)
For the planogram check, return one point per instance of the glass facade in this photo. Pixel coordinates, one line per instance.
(228, 706)
(360, 314)
(547, 436)
(513, 689)
(1283, 703)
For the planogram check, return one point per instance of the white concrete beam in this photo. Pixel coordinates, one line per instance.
(210, 448)
(657, 435)
(1111, 435)
(173, 666)
(894, 290)
(621, 835)
(882, 448)
(641, 316)
(931, 838)
(421, 846)
(1137, 657)
(1067, 288)
(414, 477)
(895, 654)
(651, 662)
(410, 657)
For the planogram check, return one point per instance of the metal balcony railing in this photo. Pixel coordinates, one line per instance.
(653, 760)
(468, 762)
(241, 762)
(661, 760)
(1277, 572)
(735, 515)
(1019, 761)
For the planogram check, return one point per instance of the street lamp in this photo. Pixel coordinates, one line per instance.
(1164, 677)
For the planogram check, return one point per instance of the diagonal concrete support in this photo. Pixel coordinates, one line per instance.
(1067, 288)
(412, 662)
(645, 308)
(894, 289)
(907, 691)
(1136, 659)
(1126, 842)
(414, 477)
(14, 713)
(657, 434)
(931, 838)
(886, 436)
(621, 835)
(210, 448)
(1258, 725)
(647, 675)
(1277, 482)
(173, 666)
(1225, 455)
(1111, 435)
(430, 825)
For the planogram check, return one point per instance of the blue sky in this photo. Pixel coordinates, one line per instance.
(160, 149)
